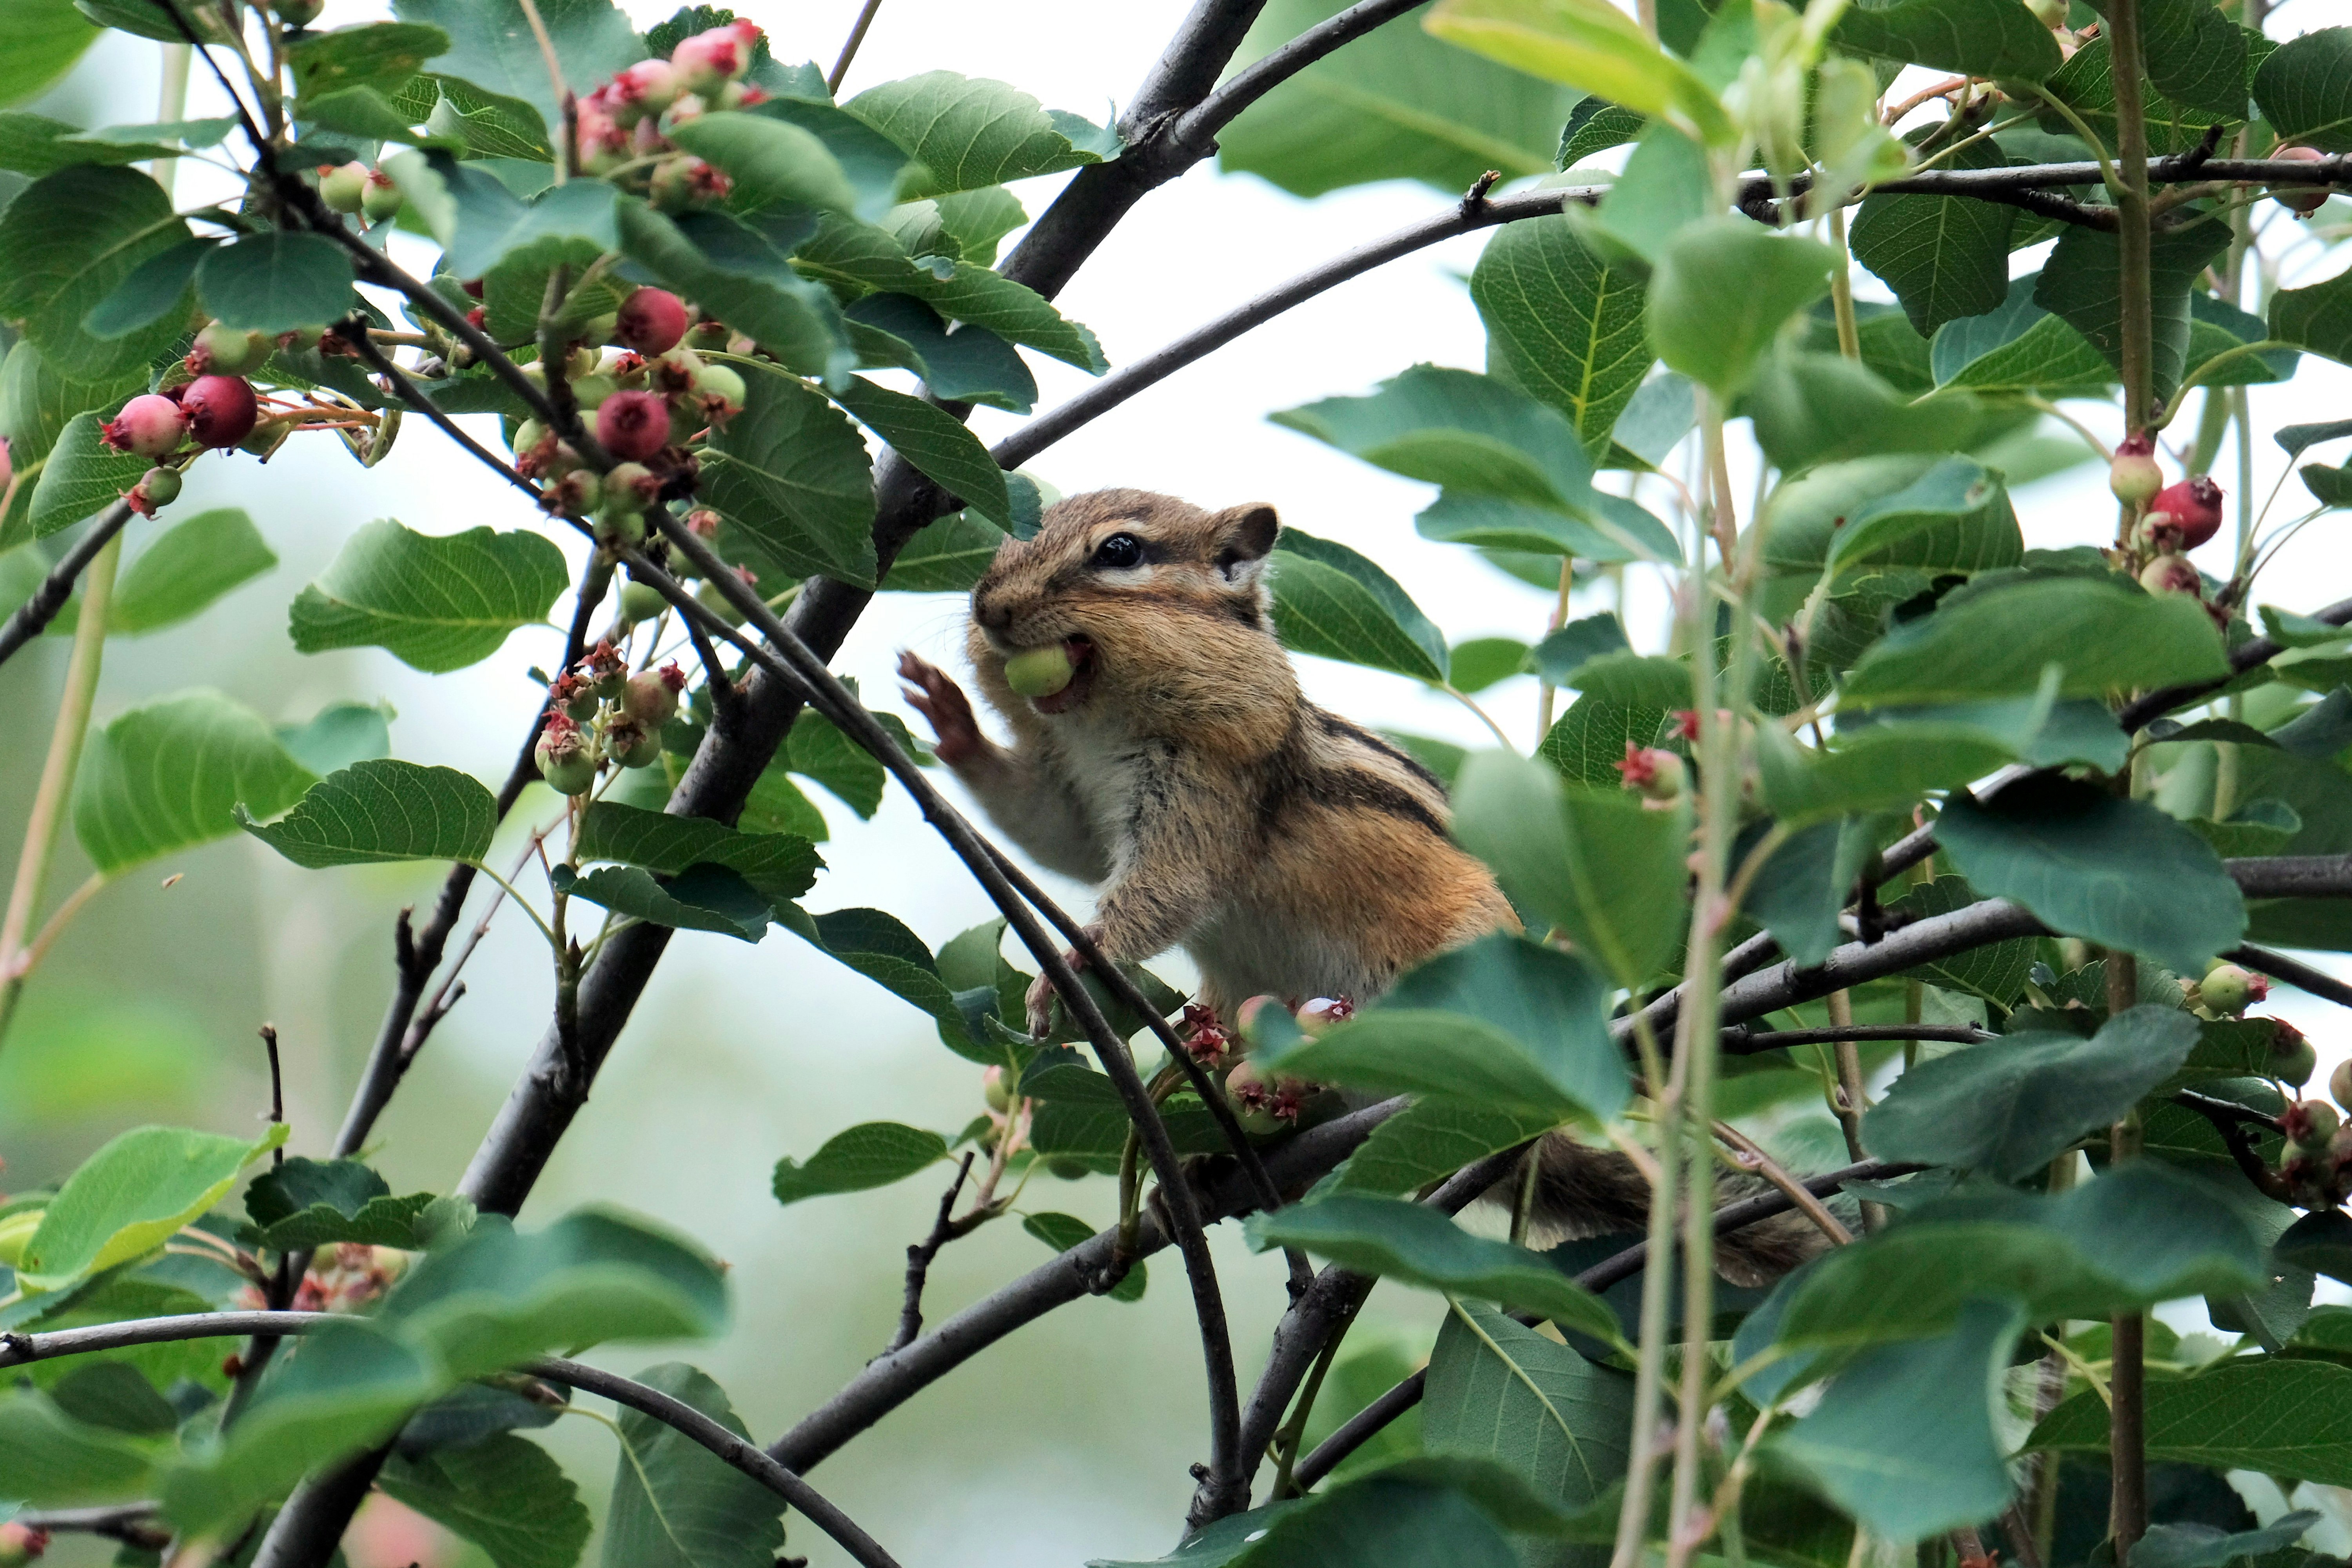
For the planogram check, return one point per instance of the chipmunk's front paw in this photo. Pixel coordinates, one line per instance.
(933, 693)
(1041, 993)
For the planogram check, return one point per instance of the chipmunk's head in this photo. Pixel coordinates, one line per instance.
(1151, 599)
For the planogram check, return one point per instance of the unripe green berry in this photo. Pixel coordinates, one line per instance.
(2311, 1124)
(379, 197)
(229, 351)
(708, 597)
(996, 1090)
(2133, 477)
(641, 602)
(590, 390)
(1040, 672)
(2339, 1084)
(343, 188)
(2227, 989)
(162, 485)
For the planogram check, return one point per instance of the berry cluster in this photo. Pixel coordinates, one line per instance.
(625, 124)
(357, 188)
(599, 714)
(1265, 1102)
(1209, 1040)
(1008, 1114)
(2316, 1165)
(650, 401)
(342, 1278)
(2161, 521)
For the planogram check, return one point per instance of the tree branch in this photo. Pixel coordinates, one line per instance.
(1199, 125)
(2300, 975)
(918, 1261)
(34, 615)
(1742, 1041)
(2137, 713)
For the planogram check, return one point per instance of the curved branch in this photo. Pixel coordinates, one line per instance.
(1255, 80)
(18, 1349)
(2293, 972)
(2137, 713)
(1742, 1041)
(34, 615)
(1359, 1429)
(890, 1380)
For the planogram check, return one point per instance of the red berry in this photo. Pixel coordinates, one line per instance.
(150, 425)
(708, 62)
(651, 321)
(221, 409)
(2196, 507)
(2301, 200)
(1655, 774)
(632, 425)
(473, 287)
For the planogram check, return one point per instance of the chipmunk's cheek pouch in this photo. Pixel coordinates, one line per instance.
(1080, 656)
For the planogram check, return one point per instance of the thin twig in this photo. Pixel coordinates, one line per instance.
(920, 1256)
(1742, 1041)
(1752, 1157)
(849, 49)
(277, 1088)
(409, 392)
(131, 1523)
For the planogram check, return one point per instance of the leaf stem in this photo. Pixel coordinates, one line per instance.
(1848, 331)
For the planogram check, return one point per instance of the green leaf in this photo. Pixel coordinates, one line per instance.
(2081, 281)
(170, 775)
(2113, 871)
(1394, 104)
(501, 1296)
(731, 268)
(303, 1204)
(793, 472)
(480, 223)
(340, 1388)
(38, 400)
(2196, 55)
(377, 811)
(2318, 317)
(1722, 290)
(1503, 1391)
(770, 161)
(1563, 323)
(1595, 125)
(780, 864)
(1563, 652)
(876, 167)
(505, 1494)
(82, 475)
(1416, 1245)
(115, 1395)
(2086, 83)
(1901, 1477)
(1976, 38)
(1062, 1232)
(1482, 662)
(36, 145)
(936, 442)
(878, 946)
(700, 897)
(1505, 1022)
(2281, 1417)
(1473, 434)
(2304, 88)
(817, 748)
(45, 38)
(1810, 408)
(71, 240)
(972, 365)
(2018, 347)
(1432, 1138)
(1585, 44)
(126, 1199)
(378, 54)
(1604, 869)
(856, 257)
(2203, 1546)
(968, 132)
(2010, 1106)
(873, 1154)
(1333, 603)
(276, 281)
(493, 47)
(436, 604)
(2105, 634)
(1945, 256)
(949, 557)
(53, 1460)
(1588, 741)
(677, 1505)
(194, 563)
(2139, 1234)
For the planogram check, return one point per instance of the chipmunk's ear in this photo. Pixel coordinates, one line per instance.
(1243, 534)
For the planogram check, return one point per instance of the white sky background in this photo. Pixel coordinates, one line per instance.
(740, 1055)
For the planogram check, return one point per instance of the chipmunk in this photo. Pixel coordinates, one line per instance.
(1181, 768)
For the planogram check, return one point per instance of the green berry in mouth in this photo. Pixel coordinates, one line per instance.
(1040, 672)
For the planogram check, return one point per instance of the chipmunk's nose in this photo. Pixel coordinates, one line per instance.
(991, 610)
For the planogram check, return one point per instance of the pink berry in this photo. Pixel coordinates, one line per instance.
(151, 426)
(2301, 200)
(651, 698)
(708, 61)
(1655, 774)
(7, 465)
(221, 409)
(646, 88)
(21, 1542)
(2172, 574)
(632, 425)
(2196, 508)
(650, 321)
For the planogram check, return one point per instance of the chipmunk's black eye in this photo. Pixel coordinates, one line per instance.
(1119, 553)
